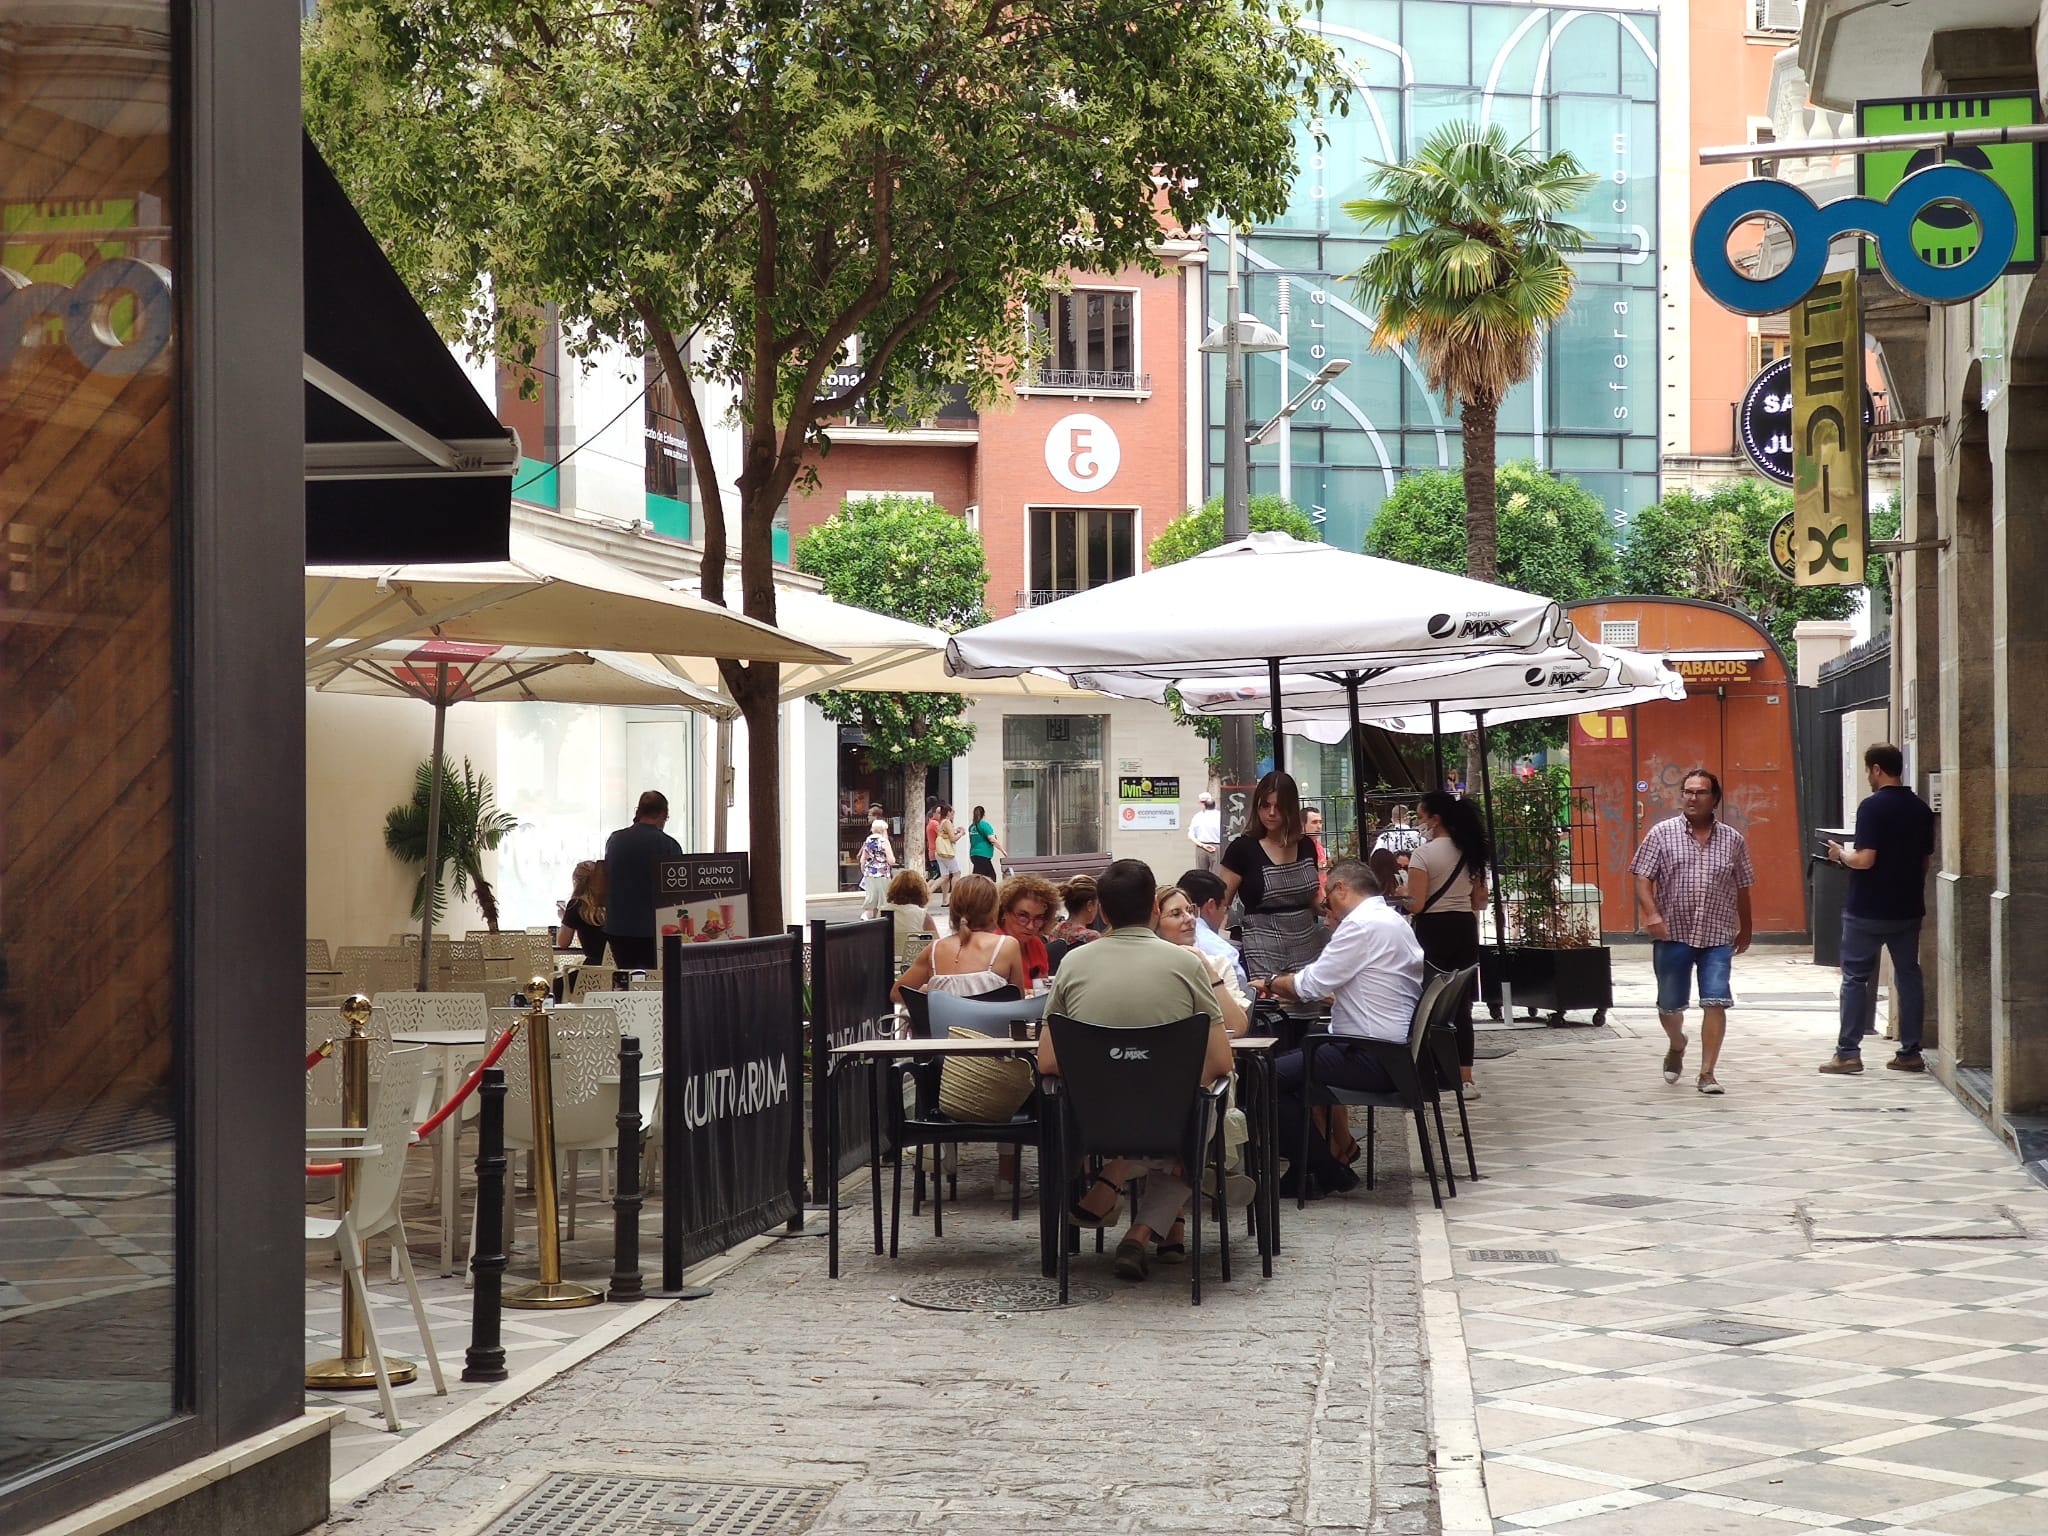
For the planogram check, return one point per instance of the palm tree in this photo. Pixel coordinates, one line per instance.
(471, 826)
(1472, 273)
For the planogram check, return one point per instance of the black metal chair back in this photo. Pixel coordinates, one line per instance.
(988, 1014)
(1131, 1092)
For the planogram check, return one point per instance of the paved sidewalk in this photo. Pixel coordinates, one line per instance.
(1285, 1406)
(1816, 1302)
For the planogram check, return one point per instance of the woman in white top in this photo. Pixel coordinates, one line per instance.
(973, 959)
(909, 905)
(1446, 893)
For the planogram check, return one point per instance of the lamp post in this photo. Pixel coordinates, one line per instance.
(1239, 334)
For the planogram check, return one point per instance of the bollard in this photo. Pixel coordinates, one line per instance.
(484, 1360)
(351, 1370)
(550, 1291)
(626, 1282)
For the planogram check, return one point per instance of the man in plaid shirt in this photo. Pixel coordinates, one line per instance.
(1693, 877)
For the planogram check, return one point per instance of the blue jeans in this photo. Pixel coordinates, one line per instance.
(1675, 963)
(1862, 940)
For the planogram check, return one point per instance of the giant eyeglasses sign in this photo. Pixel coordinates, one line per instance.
(1942, 235)
(1940, 191)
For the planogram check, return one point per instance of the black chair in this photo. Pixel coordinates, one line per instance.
(1414, 1084)
(922, 1124)
(993, 1013)
(1139, 1093)
(1443, 1054)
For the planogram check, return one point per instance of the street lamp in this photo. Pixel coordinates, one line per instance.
(1240, 334)
(1330, 370)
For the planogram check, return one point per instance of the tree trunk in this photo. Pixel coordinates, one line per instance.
(916, 785)
(1482, 535)
(754, 689)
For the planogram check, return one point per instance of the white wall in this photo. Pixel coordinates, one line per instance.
(361, 754)
(603, 418)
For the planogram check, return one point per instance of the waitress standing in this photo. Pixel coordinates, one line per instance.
(1446, 893)
(1273, 872)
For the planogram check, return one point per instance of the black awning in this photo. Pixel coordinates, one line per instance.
(404, 460)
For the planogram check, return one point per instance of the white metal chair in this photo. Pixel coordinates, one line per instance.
(592, 978)
(639, 1014)
(374, 1211)
(586, 1052)
(317, 957)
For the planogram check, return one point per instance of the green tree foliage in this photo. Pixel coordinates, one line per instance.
(1472, 274)
(1718, 547)
(909, 559)
(1554, 534)
(761, 184)
(471, 826)
(1201, 528)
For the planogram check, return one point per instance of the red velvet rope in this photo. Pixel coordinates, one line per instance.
(433, 1122)
(319, 1054)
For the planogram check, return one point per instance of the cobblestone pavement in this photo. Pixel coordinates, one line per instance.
(1291, 1405)
(1815, 1302)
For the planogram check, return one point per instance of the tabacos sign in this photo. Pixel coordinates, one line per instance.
(1718, 670)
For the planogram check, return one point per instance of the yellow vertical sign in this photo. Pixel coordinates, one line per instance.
(1830, 519)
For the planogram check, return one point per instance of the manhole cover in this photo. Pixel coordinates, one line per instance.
(1621, 1202)
(587, 1504)
(1721, 1330)
(1511, 1255)
(1023, 1294)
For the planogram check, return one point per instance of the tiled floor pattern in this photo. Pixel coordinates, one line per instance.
(1815, 1302)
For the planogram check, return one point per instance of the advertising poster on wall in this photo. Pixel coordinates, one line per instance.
(702, 897)
(1148, 802)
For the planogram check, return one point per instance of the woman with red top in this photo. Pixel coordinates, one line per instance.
(1026, 905)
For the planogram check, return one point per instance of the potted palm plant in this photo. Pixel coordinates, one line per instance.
(471, 826)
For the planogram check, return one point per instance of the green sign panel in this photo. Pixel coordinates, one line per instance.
(1946, 236)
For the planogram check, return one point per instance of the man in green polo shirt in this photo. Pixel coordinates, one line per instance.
(1131, 978)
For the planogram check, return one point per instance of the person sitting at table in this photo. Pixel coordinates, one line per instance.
(1176, 923)
(1371, 971)
(909, 904)
(1131, 979)
(973, 959)
(583, 913)
(1206, 890)
(1386, 868)
(1026, 904)
(1083, 911)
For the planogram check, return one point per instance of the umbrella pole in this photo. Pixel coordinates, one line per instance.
(433, 829)
(1279, 742)
(1357, 765)
(1436, 743)
(1500, 922)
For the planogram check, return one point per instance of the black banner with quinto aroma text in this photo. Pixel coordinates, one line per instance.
(853, 965)
(732, 1090)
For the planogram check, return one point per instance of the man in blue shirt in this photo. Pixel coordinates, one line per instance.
(1212, 915)
(1887, 867)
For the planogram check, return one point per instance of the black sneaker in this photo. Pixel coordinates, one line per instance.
(1904, 1063)
(1337, 1179)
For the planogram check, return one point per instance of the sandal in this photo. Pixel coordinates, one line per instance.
(1172, 1249)
(1130, 1260)
(1080, 1216)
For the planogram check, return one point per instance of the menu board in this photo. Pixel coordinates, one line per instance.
(702, 897)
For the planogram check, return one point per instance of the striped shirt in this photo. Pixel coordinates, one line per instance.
(1696, 884)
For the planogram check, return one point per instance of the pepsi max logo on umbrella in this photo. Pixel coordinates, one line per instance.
(1555, 677)
(1474, 626)
(1889, 223)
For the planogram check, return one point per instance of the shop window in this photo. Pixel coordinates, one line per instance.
(1074, 549)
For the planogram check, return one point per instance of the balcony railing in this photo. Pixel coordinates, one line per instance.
(1088, 381)
(1038, 597)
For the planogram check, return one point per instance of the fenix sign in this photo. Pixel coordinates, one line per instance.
(1889, 224)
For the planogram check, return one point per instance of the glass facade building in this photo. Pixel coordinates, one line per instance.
(1578, 79)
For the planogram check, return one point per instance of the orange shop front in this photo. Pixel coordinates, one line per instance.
(1735, 720)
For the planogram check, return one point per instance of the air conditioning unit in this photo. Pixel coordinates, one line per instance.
(1622, 634)
(1777, 15)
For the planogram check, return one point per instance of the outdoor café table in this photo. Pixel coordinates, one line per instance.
(876, 1054)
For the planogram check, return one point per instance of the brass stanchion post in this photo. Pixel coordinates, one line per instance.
(352, 1369)
(550, 1291)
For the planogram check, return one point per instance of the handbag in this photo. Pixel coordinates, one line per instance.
(979, 1090)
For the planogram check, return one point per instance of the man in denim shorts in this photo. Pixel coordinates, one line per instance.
(1692, 883)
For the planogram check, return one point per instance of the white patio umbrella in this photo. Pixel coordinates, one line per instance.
(1267, 601)
(545, 595)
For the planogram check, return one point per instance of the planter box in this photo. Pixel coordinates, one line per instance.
(1550, 981)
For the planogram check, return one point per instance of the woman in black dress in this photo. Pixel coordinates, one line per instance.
(1273, 872)
(1446, 892)
(583, 913)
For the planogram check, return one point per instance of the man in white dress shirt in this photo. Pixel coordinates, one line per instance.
(1205, 831)
(1371, 971)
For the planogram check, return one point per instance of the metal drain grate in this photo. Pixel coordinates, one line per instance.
(1023, 1294)
(1722, 1330)
(1511, 1256)
(1621, 1202)
(588, 1504)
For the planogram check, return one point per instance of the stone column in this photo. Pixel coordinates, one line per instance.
(2019, 905)
(1916, 678)
(1969, 850)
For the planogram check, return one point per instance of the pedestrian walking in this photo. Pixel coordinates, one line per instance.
(1693, 876)
(1205, 831)
(1446, 893)
(877, 864)
(1887, 864)
(982, 843)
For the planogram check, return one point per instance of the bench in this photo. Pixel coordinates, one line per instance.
(1058, 867)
